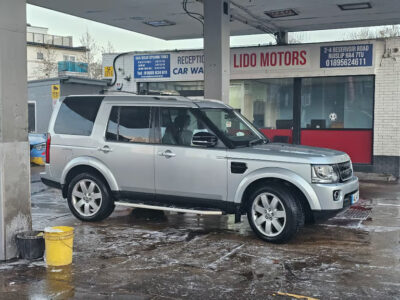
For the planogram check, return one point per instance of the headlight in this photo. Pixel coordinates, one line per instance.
(40, 147)
(324, 174)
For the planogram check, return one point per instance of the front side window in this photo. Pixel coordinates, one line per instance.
(233, 126)
(77, 115)
(178, 125)
(129, 124)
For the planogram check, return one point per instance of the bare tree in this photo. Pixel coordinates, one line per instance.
(374, 33)
(91, 56)
(108, 49)
(389, 31)
(48, 65)
(298, 37)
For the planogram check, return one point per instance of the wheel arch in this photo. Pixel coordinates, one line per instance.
(298, 186)
(87, 164)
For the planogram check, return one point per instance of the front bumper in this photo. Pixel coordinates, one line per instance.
(325, 192)
(323, 215)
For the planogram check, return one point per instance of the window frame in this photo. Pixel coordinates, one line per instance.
(199, 115)
(151, 124)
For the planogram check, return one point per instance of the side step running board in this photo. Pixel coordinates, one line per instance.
(168, 208)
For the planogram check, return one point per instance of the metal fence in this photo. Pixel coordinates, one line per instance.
(49, 39)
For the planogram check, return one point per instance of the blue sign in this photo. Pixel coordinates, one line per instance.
(152, 66)
(346, 56)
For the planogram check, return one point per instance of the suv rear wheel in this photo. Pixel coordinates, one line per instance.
(89, 198)
(274, 214)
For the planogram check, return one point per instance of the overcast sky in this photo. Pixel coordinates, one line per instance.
(124, 40)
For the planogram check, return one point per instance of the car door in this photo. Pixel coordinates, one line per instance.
(185, 173)
(127, 149)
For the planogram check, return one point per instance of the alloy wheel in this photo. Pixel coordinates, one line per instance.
(86, 197)
(269, 214)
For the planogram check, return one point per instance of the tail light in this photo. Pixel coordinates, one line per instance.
(48, 143)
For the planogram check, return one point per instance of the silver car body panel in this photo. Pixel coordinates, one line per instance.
(275, 172)
(191, 172)
(94, 163)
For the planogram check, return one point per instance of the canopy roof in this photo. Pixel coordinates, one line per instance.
(260, 15)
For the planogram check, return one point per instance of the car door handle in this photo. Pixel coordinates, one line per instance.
(105, 149)
(167, 154)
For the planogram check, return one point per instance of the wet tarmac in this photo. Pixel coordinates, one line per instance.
(137, 254)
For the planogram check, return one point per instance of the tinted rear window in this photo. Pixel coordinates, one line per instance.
(77, 115)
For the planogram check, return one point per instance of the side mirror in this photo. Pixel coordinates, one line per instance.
(204, 139)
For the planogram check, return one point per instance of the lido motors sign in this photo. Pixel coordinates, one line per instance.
(270, 59)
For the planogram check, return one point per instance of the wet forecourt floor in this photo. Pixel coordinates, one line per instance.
(138, 254)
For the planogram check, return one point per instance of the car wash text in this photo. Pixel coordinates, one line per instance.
(195, 62)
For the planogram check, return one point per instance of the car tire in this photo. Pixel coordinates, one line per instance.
(274, 214)
(89, 198)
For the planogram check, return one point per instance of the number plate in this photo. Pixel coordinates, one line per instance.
(355, 197)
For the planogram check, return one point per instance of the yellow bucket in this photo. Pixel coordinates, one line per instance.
(59, 241)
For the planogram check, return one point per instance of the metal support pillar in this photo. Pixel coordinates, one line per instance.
(282, 38)
(216, 49)
(15, 206)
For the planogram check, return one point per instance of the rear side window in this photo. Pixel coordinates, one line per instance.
(77, 115)
(129, 124)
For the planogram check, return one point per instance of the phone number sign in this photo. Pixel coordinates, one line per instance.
(152, 66)
(346, 56)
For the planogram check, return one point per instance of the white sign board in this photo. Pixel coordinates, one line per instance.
(189, 65)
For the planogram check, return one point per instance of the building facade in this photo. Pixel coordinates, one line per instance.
(340, 95)
(50, 56)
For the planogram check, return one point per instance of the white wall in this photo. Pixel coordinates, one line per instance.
(35, 65)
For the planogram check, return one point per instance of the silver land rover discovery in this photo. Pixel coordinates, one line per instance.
(173, 153)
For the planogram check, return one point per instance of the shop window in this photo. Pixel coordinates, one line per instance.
(177, 88)
(337, 102)
(266, 102)
(129, 124)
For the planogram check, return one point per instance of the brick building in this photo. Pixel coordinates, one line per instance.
(341, 95)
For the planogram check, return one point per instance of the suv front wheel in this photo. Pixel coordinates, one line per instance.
(274, 214)
(89, 198)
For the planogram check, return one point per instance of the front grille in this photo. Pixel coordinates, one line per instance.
(345, 170)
